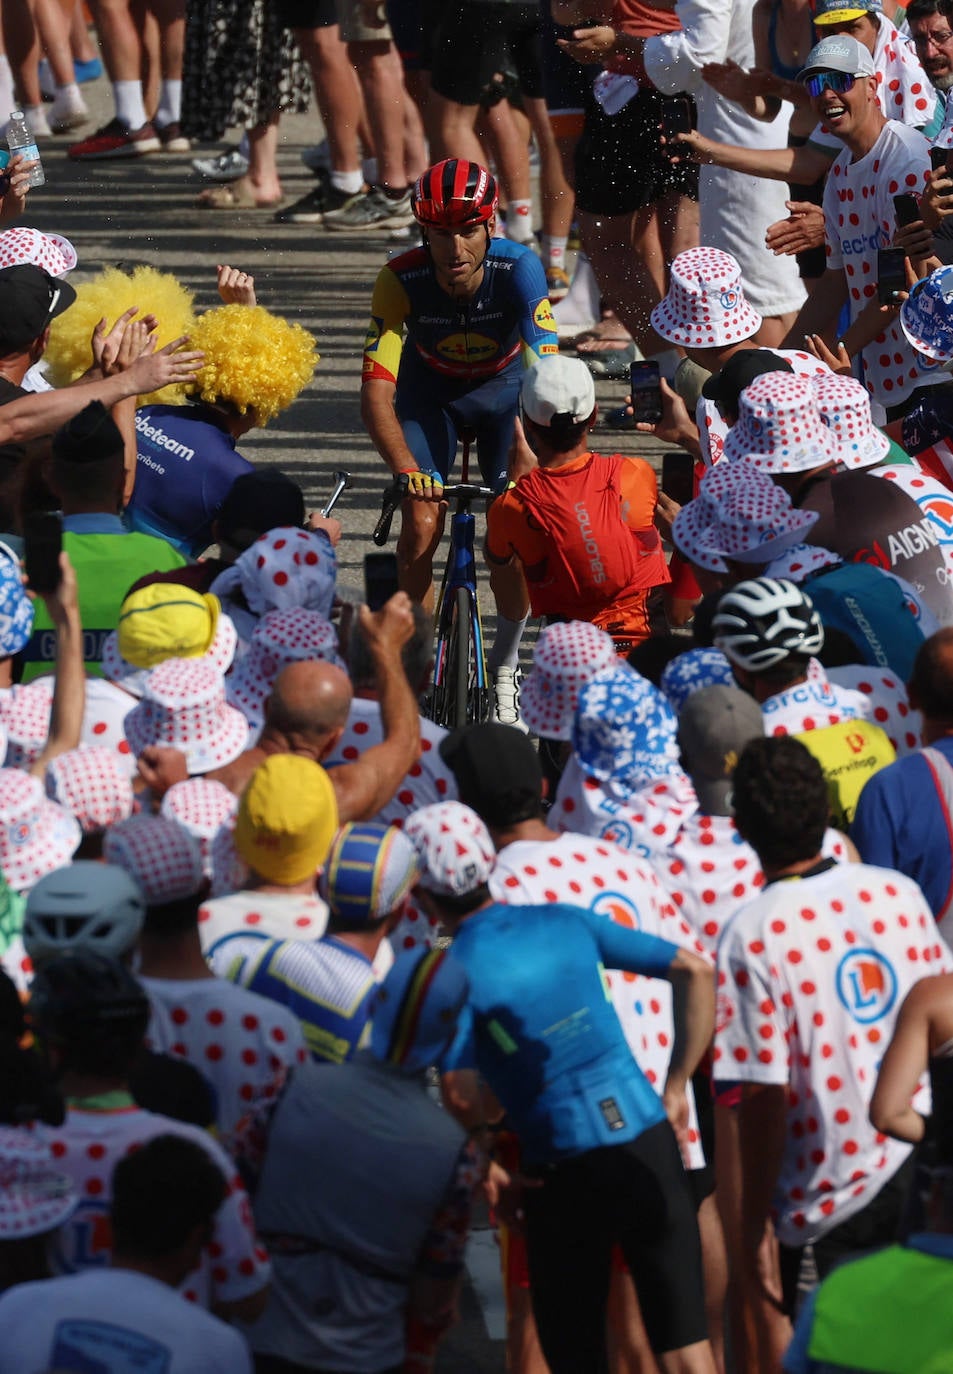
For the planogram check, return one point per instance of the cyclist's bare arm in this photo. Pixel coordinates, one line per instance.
(362, 788)
(380, 420)
(805, 164)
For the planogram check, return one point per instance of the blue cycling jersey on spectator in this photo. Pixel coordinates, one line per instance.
(185, 466)
(542, 1031)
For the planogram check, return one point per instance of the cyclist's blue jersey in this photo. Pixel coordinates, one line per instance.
(509, 320)
(541, 1029)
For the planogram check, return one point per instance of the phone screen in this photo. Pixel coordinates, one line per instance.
(937, 157)
(891, 274)
(906, 209)
(42, 544)
(380, 578)
(646, 392)
(676, 117)
(678, 476)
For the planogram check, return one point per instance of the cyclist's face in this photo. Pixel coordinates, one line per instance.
(458, 254)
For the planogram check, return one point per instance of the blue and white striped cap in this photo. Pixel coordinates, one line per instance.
(369, 871)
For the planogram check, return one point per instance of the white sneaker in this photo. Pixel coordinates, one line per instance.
(68, 111)
(506, 698)
(37, 122)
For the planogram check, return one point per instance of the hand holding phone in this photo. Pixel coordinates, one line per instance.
(906, 209)
(891, 275)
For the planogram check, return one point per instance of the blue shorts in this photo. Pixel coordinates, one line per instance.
(434, 412)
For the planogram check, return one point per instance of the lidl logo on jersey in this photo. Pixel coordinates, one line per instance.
(543, 317)
(619, 908)
(468, 348)
(866, 984)
(374, 331)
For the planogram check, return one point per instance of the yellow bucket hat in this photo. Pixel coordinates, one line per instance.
(166, 620)
(287, 818)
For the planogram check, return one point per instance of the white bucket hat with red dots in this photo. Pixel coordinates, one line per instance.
(184, 707)
(21, 245)
(285, 567)
(203, 808)
(692, 521)
(163, 858)
(94, 785)
(779, 427)
(755, 522)
(36, 835)
(567, 655)
(845, 408)
(229, 873)
(454, 847)
(280, 638)
(34, 1196)
(25, 714)
(705, 306)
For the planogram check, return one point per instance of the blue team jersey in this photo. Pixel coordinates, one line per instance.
(541, 1029)
(509, 322)
(185, 467)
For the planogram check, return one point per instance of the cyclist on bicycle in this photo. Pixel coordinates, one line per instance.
(475, 312)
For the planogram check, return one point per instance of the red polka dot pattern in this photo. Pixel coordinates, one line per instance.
(705, 306)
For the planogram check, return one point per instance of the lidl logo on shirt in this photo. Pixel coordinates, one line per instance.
(543, 317)
(468, 348)
(866, 985)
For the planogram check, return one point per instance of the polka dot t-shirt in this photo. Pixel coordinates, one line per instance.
(810, 978)
(859, 218)
(89, 1145)
(244, 1044)
(591, 873)
(887, 702)
(812, 705)
(269, 915)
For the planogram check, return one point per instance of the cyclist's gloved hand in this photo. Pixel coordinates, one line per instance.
(426, 484)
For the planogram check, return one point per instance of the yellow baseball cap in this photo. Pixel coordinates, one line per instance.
(843, 12)
(166, 620)
(287, 818)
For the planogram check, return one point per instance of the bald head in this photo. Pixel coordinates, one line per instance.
(931, 682)
(309, 701)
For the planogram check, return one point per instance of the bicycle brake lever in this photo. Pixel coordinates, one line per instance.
(393, 495)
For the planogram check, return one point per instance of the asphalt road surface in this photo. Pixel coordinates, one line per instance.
(143, 210)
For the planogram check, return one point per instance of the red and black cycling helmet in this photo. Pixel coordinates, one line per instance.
(454, 193)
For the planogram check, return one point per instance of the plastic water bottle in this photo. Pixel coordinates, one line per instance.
(20, 139)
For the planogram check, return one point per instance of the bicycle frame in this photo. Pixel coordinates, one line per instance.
(460, 576)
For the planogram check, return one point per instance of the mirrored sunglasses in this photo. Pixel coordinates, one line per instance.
(838, 82)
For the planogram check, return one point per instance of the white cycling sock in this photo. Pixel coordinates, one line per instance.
(519, 221)
(506, 643)
(554, 250)
(170, 104)
(129, 107)
(347, 182)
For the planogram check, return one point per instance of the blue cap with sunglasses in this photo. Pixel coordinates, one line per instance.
(838, 53)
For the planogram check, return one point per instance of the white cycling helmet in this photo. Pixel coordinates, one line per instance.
(85, 905)
(758, 624)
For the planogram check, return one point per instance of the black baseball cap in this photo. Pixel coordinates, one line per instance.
(726, 386)
(257, 502)
(497, 771)
(29, 299)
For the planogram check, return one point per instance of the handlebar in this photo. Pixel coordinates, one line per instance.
(396, 491)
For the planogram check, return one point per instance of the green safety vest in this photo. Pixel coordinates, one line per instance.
(106, 567)
(888, 1313)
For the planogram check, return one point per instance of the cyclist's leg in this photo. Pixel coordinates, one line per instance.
(431, 436)
(490, 410)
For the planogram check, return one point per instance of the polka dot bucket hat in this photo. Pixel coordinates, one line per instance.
(203, 808)
(454, 847)
(36, 835)
(22, 245)
(280, 638)
(705, 306)
(94, 785)
(692, 521)
(183, 706)
(844, 404)
(34, 1196)
(163, 858)
(284, 568)
(779, 426)
(25, 715)
(755, 522)
(567, 655)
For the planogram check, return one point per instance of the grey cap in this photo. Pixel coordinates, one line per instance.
(838, 53)
(714, 726)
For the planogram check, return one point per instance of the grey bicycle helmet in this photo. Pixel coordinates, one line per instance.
(89, 906)
(758, 624)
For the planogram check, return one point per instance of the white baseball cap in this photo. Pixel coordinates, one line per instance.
(556, 387)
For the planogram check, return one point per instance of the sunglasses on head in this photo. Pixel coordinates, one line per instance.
(838, 82)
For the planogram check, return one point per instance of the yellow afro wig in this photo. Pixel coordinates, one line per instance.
(254, 360)
(107, 295)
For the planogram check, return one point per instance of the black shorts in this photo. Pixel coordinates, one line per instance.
(306, 14)
(475, 40)
(620, 164)
(565, 82)
(634, 1195)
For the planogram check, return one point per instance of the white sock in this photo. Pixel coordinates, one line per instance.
(129, 107)
(519, 220)
(506, 643)
(68, 96)
(554, 250)
(170, 103)
(582, 301)
(347, 182)
(7, 99)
